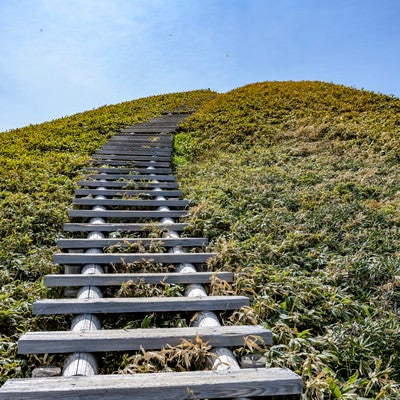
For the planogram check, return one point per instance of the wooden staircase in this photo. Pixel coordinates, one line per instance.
(130, 200)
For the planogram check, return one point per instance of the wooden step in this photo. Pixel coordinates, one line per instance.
(128, 242)
(126, 214)
(118, 258)
(131, 163)
(130, 158)
(138, 305)
(134, 151)
(134, 142)
(168, 386)
(150, 130)
(115, 170)
(127, 192)
(130, 184)
(150, 137)
(142, 140)
(155, 124)
(128, 177)
(121, 227)
(155, 140)
(136, 339)
(130, 203)
(76, 280)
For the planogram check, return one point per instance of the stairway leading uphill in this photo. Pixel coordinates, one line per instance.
(127, 216)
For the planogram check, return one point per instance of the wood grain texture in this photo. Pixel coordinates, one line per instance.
(126, 214)
(130, 203)
(135, 339)
(122, 170)
(128, 192)
(128, 242)
(172, 386)
(121, 227)
(144, 146)
(138, 305)
(134, 151)
(118, 258)
(129, 185)
(127, 177)
(131, 163)
(130, 158)
(68, 280)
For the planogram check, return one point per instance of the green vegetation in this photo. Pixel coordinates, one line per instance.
(295, 183)
(39, 166)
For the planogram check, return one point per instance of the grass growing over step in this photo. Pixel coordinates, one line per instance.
(39, 168)
(297, 186)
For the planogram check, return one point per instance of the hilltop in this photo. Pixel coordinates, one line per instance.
(295, 184)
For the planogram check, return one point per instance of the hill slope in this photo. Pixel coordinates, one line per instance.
(296, 183)
(39, 166)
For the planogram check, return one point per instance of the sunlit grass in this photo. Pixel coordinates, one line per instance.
(296, 185)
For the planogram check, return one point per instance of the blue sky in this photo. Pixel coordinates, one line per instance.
(59, 57)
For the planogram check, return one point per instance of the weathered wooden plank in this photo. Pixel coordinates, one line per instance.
(148, 203)
(127, 177)
(149, 138)
(131, 163)
(121, 227)
(154, 137)
(160, 130)
(134, 152)
(149, 154)
(130, 158)
(127, 192)
(132, 184)
(140, 143)
(126, 214)
(156, 171)
(138, 305)
(128, 242)
(155, 124)
(136, 339)
(107, 258)
(74, 280)
(130, 203)
(171, 386)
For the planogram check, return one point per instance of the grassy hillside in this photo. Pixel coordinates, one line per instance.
(39, 166)
(295, 183)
